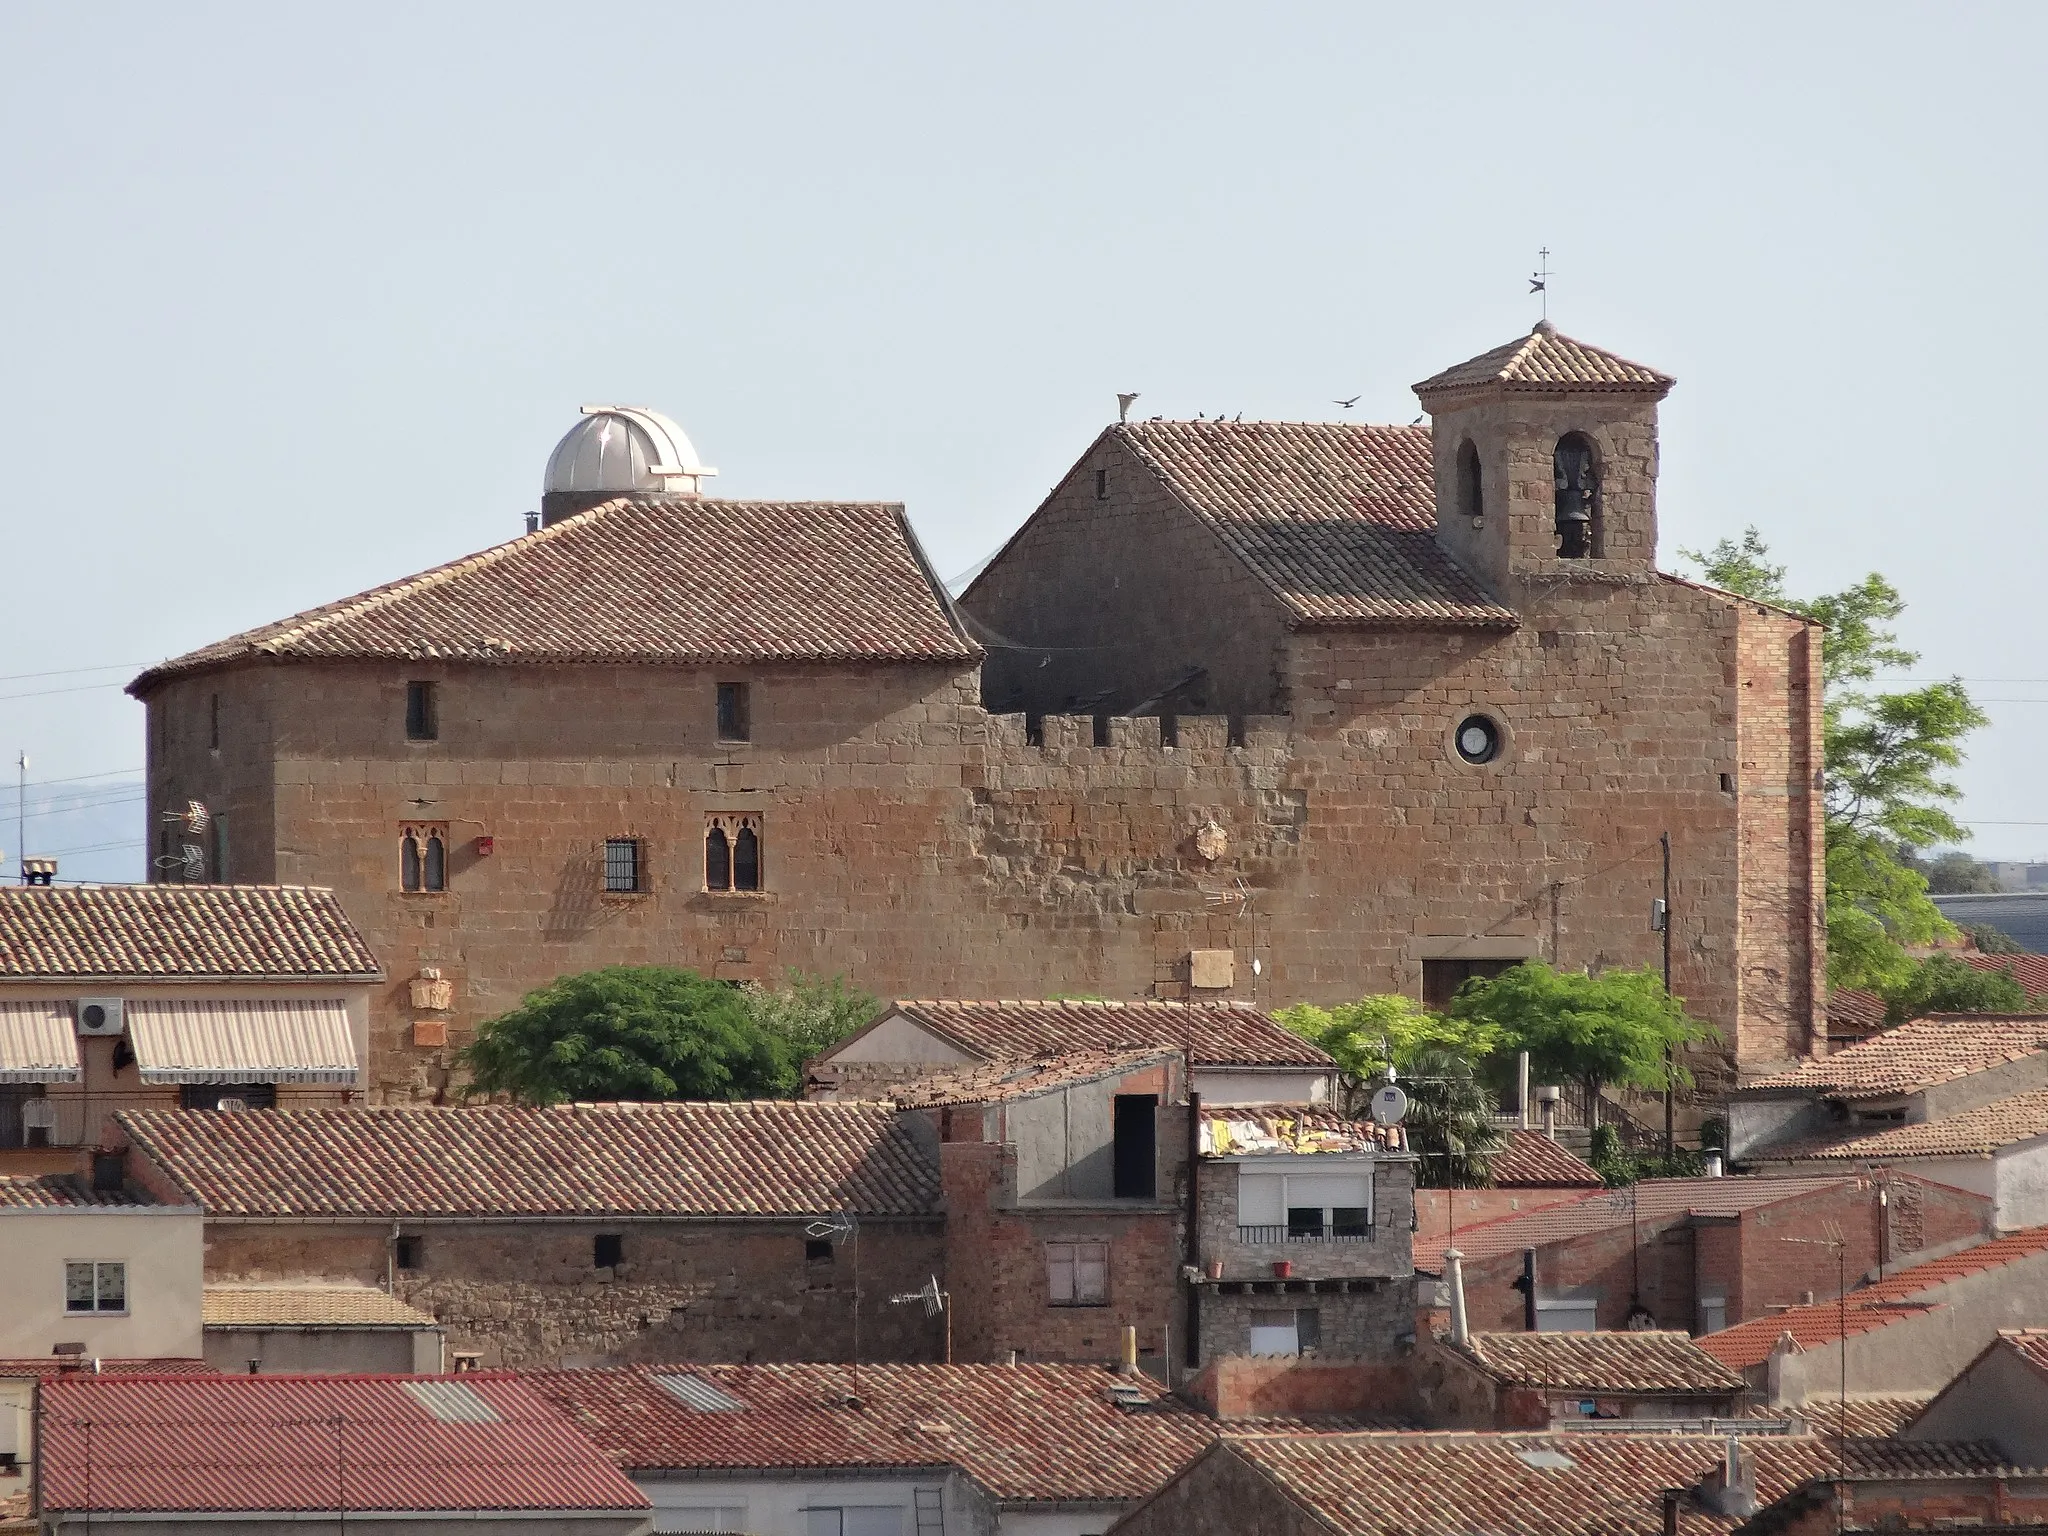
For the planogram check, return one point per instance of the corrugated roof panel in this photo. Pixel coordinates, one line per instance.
(37, 1043)
(695, 1392)
(451, 1402)
(243, 1040)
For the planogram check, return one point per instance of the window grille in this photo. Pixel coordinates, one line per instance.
(622, 864)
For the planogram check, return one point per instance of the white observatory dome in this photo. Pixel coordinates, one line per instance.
(620, 449)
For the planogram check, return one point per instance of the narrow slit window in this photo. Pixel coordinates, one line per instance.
(1102, 730)
(746, 859)
(1034, 729)
(717, 860)
(1102, 485)
(409, 863)
(422, 714)
(735, 716)
(1236, 729)
(213, 722)
(1169, 730)
(622, 864)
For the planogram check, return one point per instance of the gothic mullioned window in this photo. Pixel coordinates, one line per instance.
(423, 856)
(732, 854)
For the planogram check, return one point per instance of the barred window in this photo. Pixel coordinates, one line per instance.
(622, 864)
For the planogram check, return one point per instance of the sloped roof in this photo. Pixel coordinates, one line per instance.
(2030, 971)
(758, 1158)
(77, 1365)
(179, 932)
(1917, 1054)
(1602, 1362)
(230, 1443)
(1907, 1294)
(997, 1081)
(1531, 1160)
(1454, 1484)
(1212, 1034)
(1976, 1132)
(1547, 361)
(61, 1191)
(695, 580)
(1651, 1200)
(1868, 1416)
(1026, 1433)
(1854, 1013)
(308, 1306)
(1337, 520)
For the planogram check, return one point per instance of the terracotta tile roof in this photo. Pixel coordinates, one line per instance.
(229, 1443)
(649, 581)
(1654, 1200)
(1544, 361)
(80, 1365)
(763, 1158)
(1853, 1013)
(308, 1306)
(2030, 971)
(1868, 1417)
(59, 1190)
(185, 932)
(1604, 1362)
(2030, 1344)
(1918, 1054)
(997, 1081)
(1212, 1034)
(1976, 1132)
(1338, 521)
(1531, 1160)
(1907, 1294)
(1453, 1484)
(1236, 1130)
(1025, 1433)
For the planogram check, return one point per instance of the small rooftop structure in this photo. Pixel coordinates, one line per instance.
(619, 450)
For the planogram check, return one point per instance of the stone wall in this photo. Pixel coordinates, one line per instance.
(1356, 1319)
(923, 847)
(528, 1294)
(1219, 1495)
(1388, 1251)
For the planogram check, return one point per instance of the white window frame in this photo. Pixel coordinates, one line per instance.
(1069, 1265)
(99, 1289)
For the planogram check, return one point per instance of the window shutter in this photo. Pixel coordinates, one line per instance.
(1059, 1268)
(1091, 1271)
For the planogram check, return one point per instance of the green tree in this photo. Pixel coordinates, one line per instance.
(808, 1014)
(1992, 941)
(1955, 873)
(1366, 1037)
(1620, 1027)
(1887, 756)
(1450, 1122)
(1944, 984)
(629, 1032)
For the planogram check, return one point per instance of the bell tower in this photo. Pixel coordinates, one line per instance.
(1546, 459)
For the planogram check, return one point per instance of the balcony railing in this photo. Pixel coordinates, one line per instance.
(1281, 1234)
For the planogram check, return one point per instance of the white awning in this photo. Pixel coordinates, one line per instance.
(37, 1043)
(242, 1040)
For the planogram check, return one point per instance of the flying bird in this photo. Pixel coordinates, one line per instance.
(1346, 405)
(1123, 405)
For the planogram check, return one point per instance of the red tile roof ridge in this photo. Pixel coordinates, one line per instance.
(1738, 597)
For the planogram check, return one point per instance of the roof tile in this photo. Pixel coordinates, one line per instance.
(1337, 520)
(1531, 1160)
(1212, 1034)
(1975, 1132)
(104, 932)
(642, 580)
(1903, 1295)
(1025, 1433)
(1604, 1362)
(1918, 1054)
(997, 1081)
(750, 1159)
(308, 1306)
(29, 1191)
(230, 1443)
(1546, 360)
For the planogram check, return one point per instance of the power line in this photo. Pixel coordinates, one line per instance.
(44, 693)
(112, 666)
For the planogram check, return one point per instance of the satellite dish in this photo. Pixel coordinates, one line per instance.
(1389, 1105)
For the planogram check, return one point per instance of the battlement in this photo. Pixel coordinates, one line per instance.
(1163, 736)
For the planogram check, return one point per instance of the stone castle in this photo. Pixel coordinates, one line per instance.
(1252, 710)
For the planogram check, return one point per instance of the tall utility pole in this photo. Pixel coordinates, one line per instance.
(1670, 1108)
(21, 820)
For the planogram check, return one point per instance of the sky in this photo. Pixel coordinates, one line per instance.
(295, 300)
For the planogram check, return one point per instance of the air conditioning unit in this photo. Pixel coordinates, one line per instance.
(99, 1016)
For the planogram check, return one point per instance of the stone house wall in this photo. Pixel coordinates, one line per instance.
(528, 1293)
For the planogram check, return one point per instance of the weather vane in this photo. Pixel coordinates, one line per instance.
(1539, 280)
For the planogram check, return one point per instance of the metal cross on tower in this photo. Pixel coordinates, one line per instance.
(1539, 280)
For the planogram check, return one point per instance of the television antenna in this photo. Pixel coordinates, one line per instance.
(844, 1226)
(936, 1303)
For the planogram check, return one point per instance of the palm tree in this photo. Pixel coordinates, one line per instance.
(1449, 1121)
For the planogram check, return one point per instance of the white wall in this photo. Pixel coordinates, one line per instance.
(896, 1038)
(2022, 1185)
(780, 1507)
(1219, 1086)
(163, 1249)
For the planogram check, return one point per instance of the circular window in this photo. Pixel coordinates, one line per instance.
(1478, 739)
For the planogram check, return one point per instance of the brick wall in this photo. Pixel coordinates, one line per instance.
(528, 1294)
(1246, 1387)
(996, 1263)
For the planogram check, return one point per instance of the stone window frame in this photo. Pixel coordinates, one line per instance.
(729, 827)
(607, 866)
(416, 872)
(1070, 1289)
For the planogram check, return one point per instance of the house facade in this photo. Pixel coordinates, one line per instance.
(1245, 711)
